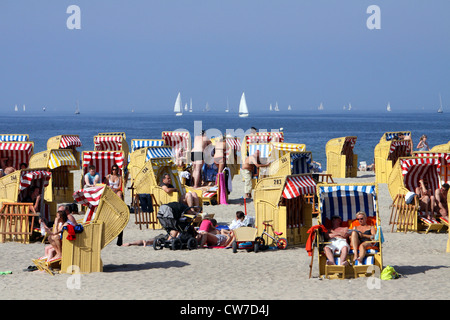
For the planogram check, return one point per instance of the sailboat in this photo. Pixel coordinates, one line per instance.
(15, 108)
(320, 108)
(243, 109)
(440, 110)
(270, 108)
(177, 106)
(77, 110)
(276, 107)
(23, 107)
(349, 107)
(190, 106)
(388, 108)
(43, 109)
(228, 107)
(207, 108)
(289, 108)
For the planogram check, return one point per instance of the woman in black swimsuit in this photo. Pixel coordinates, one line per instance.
(361, 237)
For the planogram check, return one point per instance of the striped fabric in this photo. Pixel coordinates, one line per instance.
(13, 137)
(350, 141)
(233, 144)
(179, 141)
(391, 135)
(414, 169)
(401, 143)
(158, 152)
(26, 177)
(108, 143)
(346, 201)
(368, 260)
(59, 158)
(70, 141)
(103, 161)
(208, 194)
(444, 158)
(279, 149)
(262, 147)
(137, 144)
(17, 151)
(89, 197)
(301, 162)
(298, 185)
(265, 137)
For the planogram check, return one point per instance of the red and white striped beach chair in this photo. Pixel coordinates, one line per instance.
(180, 141)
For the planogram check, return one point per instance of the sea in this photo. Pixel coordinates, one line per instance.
(313, 129)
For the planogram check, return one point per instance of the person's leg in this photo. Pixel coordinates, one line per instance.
(354, 241)
(330, 255)
(344, 253)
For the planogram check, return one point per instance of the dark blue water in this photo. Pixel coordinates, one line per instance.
(312, 129)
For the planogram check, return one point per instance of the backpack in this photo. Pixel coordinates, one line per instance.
(389, 273)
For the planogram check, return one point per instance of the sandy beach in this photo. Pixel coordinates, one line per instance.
(210, 274)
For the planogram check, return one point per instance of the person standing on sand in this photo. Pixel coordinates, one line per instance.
(247, 172)
(197, 157)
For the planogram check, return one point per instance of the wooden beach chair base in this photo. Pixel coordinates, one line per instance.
(335, 272)
(430, 224)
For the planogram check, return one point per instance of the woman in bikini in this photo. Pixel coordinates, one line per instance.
(361, 237)
(114, 181)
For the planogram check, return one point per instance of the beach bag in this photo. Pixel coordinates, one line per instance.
(409, 197)
(389, 273)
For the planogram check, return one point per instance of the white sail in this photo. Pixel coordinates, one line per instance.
(77, 110)
(243, 109)
(185, 107)
(190, 106)
(23, 107)
(228, 107)
(43, 109)
(270, 108)
(349, 107)
(289, 107)
(15, 108)
(440, 110)
(320, 107)
(276, 106)
(388, 108)
(177, 106)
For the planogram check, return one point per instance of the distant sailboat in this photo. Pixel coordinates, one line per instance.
(228, 107)
(23, 107)
(388, 108)
(43, 109)
(440, 110)
(289, 108)
(320, 108)
(270, 108)
(186, 107)
(349, 107)
(15, 108)
(177, 106)
(190, 106)
(243, 109)
(207, 108)
(77, 110)
(276, 107)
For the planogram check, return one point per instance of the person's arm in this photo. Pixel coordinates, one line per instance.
(36, 205)
(419, 145)
(168, 190)
(96, 179)
(119, 187)
(86, 180)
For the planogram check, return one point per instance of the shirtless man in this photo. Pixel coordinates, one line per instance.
(247, 172)
(338, 236)
(425, 198)
(220, 158)
(440, 200)
(197, 157)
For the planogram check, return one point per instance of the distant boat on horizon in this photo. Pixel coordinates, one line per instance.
(320, 108)
(276, 106)
(289, 108)
(15, 108)
(440, 110)
(77, 110)
(43, 109)
(177, 106)
(243, 109)
(190, 106)
(388, 108)
(23, 107)
(228, 107)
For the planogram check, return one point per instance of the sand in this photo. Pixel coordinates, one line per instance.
(210, 274)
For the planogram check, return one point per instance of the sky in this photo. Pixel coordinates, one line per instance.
(139, 54)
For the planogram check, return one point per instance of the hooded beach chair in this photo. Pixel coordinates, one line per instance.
(341, 161)
(15, 214)
(405, 178)
(282, 200)
(346, 200)
(180, 142)
(106, 217)
(66, 142)
(17, 151)
(61, 163)
(259, 138)
(387, 151)
(141, 155)
(135, 160)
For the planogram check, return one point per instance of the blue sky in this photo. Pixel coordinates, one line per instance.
(139, 54)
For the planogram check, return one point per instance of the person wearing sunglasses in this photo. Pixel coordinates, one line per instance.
(362, 236)
(114, 181)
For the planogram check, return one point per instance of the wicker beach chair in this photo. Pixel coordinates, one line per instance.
(342, 162)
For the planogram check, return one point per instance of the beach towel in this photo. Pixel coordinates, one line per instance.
(71, 232)
(309, 241)
(222, 189)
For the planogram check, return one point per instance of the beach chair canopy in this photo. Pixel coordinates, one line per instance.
(262, 147)
(346, 201)
(180, 141)
(158, 152)
(298, 185)
(279, 149)
(59, 158)
(108, 143)
(103, 161)
(137, 144)
(301, 162)
(399, 148)
(13, 137)
(414, 169)
(68, 141)
(233, 144)
(388, 136)
(265, 137)
(348, 145)
(28, 176)
(89, 197)
(18, 152)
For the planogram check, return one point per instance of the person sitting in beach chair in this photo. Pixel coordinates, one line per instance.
(114, 181)
(440, 200)
(338, 236)
(361, 237)
(33, 197)
(189, 198)
(91, 178)
(425, 198)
